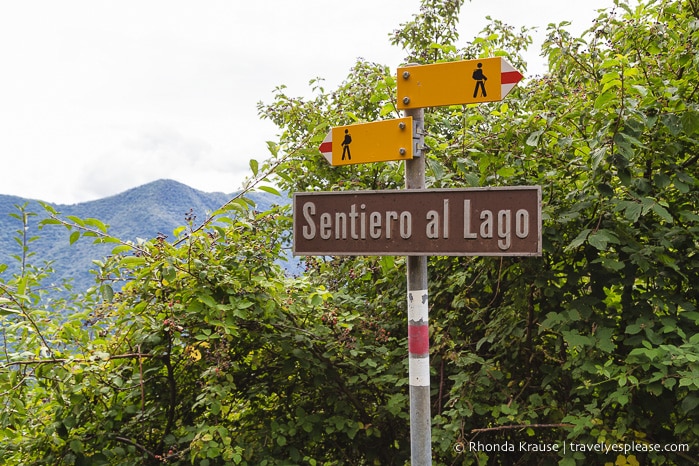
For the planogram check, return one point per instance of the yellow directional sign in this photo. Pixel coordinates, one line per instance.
(453, 83)
(379, 141)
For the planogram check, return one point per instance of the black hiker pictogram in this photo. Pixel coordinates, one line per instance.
(345, 146)
(480, 81)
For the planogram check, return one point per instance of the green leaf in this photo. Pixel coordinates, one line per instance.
(269, 189)
(208, 300)
(254, 166)
(244, 304)
(48, 208)
(533, 139)
(672, 123)
(573, 338)
(506, 172)
(597, 156)
(273, 148)
(579, 240)
(387, 108)
(76, 446)
(632, 210)
(605, 339)
(93, 222)
(387, 264)
(601, 238)
(605, 98)
(49, 221)
(662, 212)
(107, 293)
(690, 122)
(74, 237)
(610, 263)
(690, 403)
(132, 261)
(76, 220)
(169, 273)
(7, 311)
(122, 248)
(686, 381)
(605, 189)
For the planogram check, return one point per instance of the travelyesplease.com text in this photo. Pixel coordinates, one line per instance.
(604, 448)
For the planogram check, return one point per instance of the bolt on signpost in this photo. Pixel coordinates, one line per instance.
(419, 222)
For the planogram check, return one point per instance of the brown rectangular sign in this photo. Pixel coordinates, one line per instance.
(435, 222)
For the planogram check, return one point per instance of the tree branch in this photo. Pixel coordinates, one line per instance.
(137, 445)
(99, 234)
(249, 187)
(26, 315)
(522, 426)
(78, 360)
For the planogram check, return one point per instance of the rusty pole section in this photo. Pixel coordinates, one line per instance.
(418, 330)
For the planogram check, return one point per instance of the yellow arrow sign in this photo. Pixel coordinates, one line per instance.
(379, 141)
(455, 83)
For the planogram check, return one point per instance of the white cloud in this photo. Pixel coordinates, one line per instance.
(161, 152)
(97, 97)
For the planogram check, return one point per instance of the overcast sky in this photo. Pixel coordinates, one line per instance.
(98, 96)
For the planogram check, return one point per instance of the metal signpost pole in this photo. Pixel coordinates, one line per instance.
(418, 329)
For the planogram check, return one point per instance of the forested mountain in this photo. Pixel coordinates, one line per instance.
(145, 212)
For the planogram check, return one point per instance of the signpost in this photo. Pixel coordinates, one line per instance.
(454, 83)
(433, 222)
(417, 222)
(379, 141)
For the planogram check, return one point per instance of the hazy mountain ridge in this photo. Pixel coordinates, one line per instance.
(142, 212)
